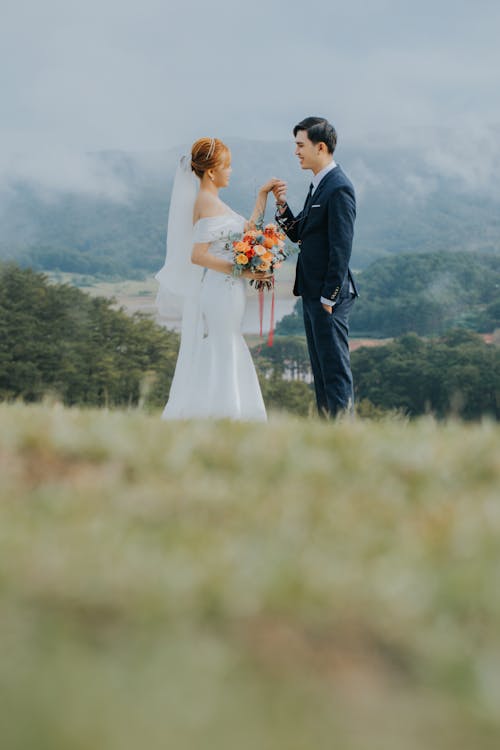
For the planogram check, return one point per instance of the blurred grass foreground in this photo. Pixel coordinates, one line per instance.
(291, 586)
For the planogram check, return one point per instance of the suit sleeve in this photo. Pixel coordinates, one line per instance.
(341, 216)
(289, 223)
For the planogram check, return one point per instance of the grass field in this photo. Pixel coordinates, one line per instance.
(290, 586)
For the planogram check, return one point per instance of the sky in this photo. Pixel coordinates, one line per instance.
(152, 74)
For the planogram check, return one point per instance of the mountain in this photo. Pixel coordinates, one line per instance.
(105, 212)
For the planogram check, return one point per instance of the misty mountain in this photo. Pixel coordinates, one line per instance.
(106, 212)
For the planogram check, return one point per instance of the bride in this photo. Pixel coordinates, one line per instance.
(214, 375)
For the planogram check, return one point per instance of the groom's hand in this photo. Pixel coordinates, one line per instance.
(328, 308)
(279, 192)
(269, 185)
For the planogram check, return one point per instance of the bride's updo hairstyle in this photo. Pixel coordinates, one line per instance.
(208, 153)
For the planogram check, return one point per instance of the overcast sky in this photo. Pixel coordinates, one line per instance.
(151, 74)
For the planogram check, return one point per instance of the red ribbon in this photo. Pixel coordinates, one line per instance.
(270, 338)
(261, 308)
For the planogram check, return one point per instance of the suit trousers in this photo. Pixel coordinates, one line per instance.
(328, 343)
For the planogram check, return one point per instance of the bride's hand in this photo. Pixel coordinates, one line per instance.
(273, 184)
(257, 275)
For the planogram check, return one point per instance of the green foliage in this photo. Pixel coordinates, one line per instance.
(424, 293)
(293, 396)
(282, 369)
(427, 294)
(489, 318)
(293, 323)
(456, 375)
(57, 339)
(90, 234)
(285, 586)
(288, 356)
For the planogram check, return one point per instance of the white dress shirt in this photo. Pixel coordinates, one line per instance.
(322, 173)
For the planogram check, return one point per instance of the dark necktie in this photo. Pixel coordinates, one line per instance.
(308, 199)
(307, 205)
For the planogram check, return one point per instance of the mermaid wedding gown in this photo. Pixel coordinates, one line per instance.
(215, 376)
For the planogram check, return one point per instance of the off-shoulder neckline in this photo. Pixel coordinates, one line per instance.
(216, 216)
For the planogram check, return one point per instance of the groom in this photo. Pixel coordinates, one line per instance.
(324, 233)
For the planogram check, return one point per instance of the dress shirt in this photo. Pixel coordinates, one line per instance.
(322, 173)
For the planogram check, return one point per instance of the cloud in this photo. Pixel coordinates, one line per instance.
(470, 157)
(132, 75)
(53, 173)
(129, 75)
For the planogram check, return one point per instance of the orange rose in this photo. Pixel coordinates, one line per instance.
(241, 259)
(268, 242)
(267, 257)
(241, 247)
(259, 250)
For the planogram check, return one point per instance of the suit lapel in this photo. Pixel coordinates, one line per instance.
(316, 195)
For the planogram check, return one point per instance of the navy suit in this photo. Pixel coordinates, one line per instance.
(324, 231)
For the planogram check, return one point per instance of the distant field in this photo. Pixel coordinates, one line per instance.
(139, 296)
(290, 586)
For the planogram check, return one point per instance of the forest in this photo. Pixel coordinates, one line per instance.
(424, 293)
(57, 341)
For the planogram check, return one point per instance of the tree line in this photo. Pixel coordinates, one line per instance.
(424, 293)
(56, 339)
(456, 374)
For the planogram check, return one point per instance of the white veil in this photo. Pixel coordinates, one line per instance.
(180, 280)
(179, 276)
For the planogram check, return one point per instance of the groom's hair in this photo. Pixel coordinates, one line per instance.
(318, 130)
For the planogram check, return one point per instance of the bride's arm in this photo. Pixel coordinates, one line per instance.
(201, 256)
(257, 216)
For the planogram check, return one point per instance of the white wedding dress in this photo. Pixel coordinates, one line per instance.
(215, 376)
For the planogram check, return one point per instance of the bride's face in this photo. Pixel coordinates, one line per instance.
(222, 173)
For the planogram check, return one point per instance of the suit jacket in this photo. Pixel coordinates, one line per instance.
(324, 231)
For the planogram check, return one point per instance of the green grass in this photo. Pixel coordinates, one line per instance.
(291, 586)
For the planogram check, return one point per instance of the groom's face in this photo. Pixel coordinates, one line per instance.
(306, 151)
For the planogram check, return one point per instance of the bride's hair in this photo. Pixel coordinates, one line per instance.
(207, 153)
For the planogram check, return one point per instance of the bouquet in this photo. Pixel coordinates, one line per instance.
(259, 250)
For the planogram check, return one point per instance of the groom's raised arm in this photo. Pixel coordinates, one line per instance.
(288, 222)
(284, 215)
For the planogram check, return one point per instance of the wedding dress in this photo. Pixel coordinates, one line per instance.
(215, 376)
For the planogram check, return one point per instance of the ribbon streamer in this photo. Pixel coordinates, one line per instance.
(270, 338)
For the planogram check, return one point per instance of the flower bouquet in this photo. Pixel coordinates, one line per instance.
(259, 250)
